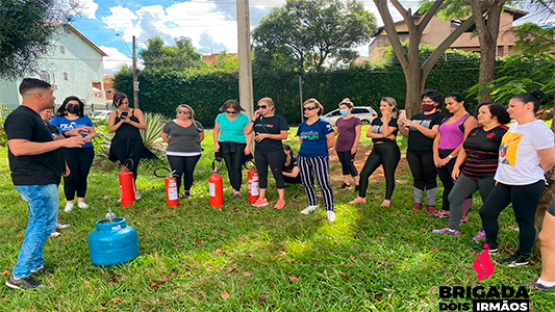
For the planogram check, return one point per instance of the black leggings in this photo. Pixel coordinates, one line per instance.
(275, 160)
(348, 163)
(423, 170)
(445, 175)
(525, 200)
(128, 149)
(79, 161)
(233, 162)
(184, 166)
(386, 154)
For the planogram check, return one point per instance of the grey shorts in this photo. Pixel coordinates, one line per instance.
(551, 208)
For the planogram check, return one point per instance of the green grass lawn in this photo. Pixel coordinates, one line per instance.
(239, 258)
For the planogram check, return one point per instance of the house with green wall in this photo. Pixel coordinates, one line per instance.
(73, 66)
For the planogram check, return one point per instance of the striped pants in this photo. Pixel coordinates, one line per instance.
(309, 166)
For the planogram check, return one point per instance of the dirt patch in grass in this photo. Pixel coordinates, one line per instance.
(336, 174)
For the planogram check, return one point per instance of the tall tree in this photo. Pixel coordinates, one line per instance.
(181, 56)
(26, 32)
(312, 31)
(416, 74)
(487, 16)
(534, 38)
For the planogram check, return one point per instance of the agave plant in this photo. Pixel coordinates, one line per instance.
(152, 135)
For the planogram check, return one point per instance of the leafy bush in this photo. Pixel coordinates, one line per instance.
(161, 92)
(152, 135)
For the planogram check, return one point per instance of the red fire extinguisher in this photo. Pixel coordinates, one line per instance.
(172, 193)
(253, 183)
(126, 184)
(215, 186)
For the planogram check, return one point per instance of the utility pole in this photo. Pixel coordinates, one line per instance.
(135, 82)
(245, 68)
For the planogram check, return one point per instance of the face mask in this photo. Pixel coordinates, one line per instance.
(344, 112)
(73, 110)
(428, 107)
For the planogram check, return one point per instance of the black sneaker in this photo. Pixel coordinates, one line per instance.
(534, 284)
(493, 251)
(43, 270)
(27, 283)
(515, 260)
(345, 186)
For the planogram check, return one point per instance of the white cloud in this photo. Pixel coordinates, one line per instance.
(87, 8)
(120, 19)
(115, 60)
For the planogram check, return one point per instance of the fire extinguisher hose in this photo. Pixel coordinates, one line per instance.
(253, 165)
(163, 175)
(215, 167)
(127, 164)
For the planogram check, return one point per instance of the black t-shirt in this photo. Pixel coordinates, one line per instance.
(418, 143)
(47, 168)
(53, 130)
(482, 152)
(377, 125)
(291, 165)
(272, 125)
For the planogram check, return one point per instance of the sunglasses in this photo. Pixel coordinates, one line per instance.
(231, 112)
(310, 108)
(183, 112)
(262, 106)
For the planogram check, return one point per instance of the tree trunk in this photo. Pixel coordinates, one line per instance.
(487, 68)
(487, 26)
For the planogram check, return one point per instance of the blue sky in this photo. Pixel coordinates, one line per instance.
(211, 24)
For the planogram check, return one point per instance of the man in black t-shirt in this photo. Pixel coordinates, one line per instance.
(36, 165)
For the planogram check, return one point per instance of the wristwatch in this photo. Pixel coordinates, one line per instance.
(65, 136)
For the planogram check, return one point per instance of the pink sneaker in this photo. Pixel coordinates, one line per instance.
(447, 230)
(260, 203)
(442, 214)
(430, 209)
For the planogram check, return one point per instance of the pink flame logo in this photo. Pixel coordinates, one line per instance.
(483, 265)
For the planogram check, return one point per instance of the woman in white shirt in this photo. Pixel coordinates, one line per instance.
(527, 151)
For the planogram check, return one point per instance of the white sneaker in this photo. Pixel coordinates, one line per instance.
(309, 209)
(62, 226)
(137, 195)
(331, 216)
(55, 234)
(82, 205)
(69, 207)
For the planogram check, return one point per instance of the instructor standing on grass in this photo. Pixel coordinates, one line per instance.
(37, 166)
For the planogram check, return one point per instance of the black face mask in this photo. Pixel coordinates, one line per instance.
(73, 110)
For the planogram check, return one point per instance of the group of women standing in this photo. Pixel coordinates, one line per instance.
(506, 165)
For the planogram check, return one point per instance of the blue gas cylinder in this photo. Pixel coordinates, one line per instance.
(113, 243)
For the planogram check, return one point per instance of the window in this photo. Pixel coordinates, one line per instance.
(334, 113)
(62, 50)
(66, 77)
(45, 76)
(360, 110)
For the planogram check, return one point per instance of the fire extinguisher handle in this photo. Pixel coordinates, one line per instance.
(127, 164)
(249, 162)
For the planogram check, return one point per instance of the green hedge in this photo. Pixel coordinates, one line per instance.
(163, 92)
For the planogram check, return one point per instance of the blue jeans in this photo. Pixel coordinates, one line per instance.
(42, 201)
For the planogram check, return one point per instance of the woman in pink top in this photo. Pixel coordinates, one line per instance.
(447, 145)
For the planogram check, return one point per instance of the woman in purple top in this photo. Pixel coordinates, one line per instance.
(348, 129)
(447, 145)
